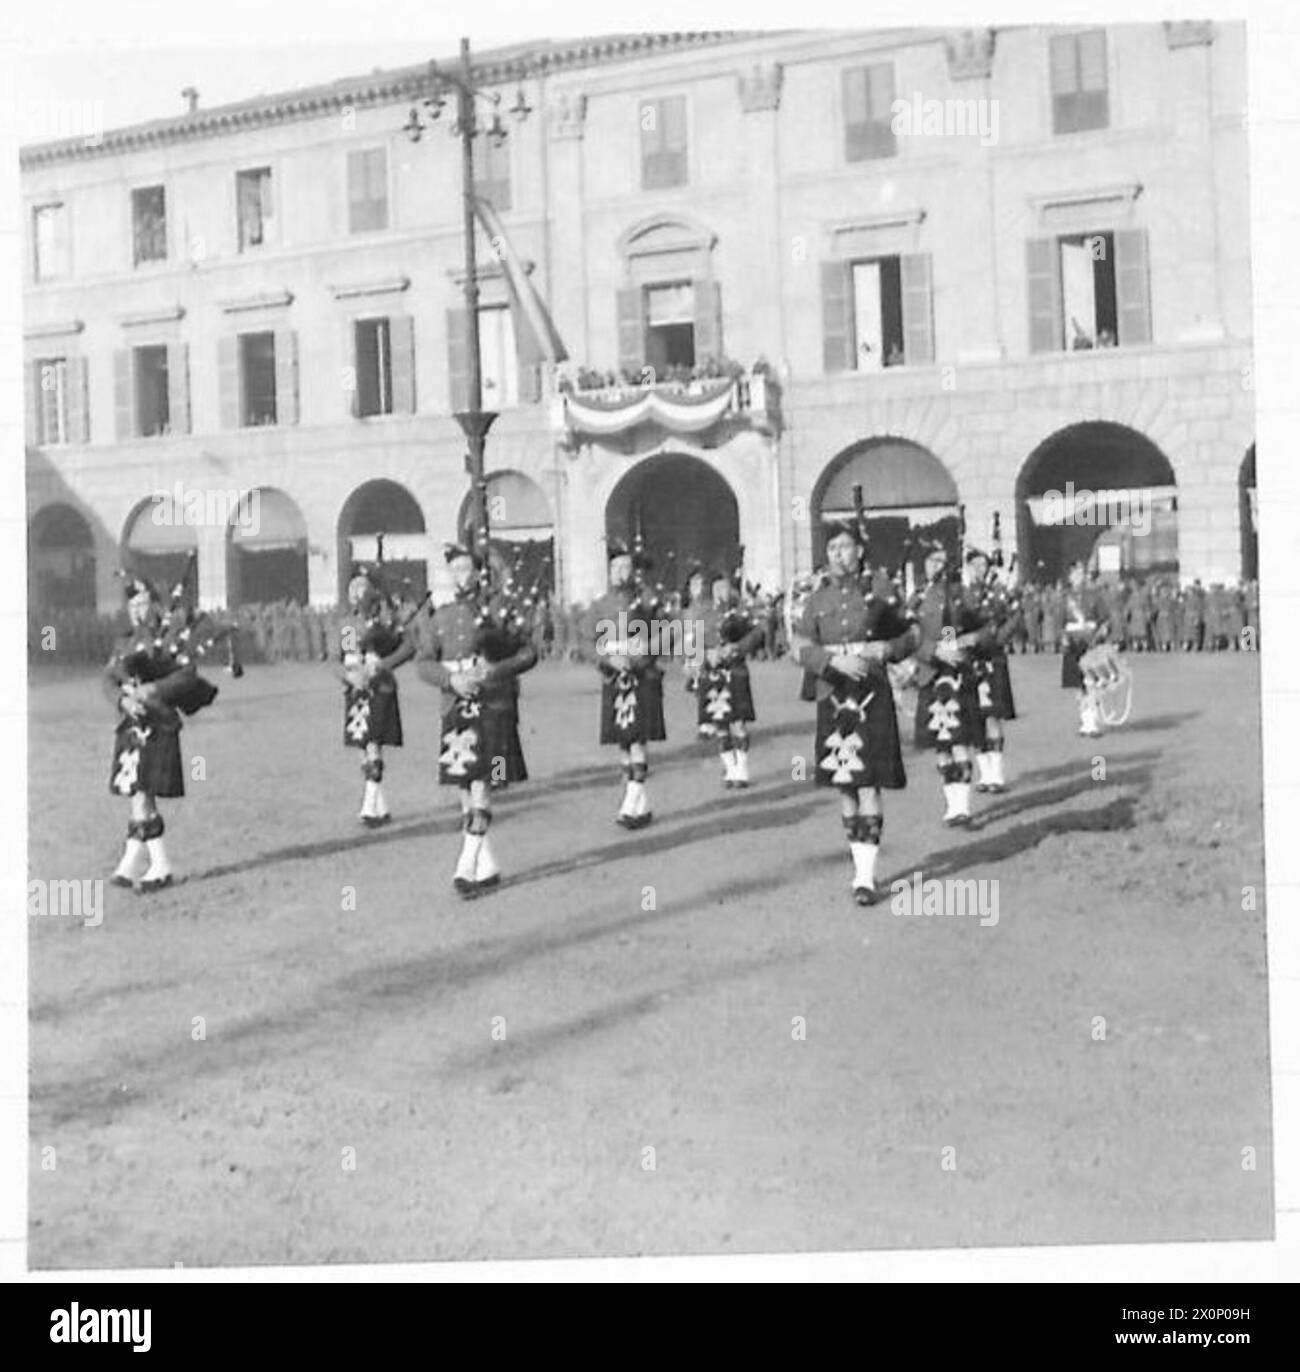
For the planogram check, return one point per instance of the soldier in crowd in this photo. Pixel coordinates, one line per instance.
(948, 719)
(1053, 618)
(371, 648)
(632, 701)
(723, 634)
(845, 635)
(473, 649)
(147, 679)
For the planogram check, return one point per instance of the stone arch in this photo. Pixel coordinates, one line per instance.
(158, 539)
(909, 495)
(382, 516)
(521, 528)
(60, 559)
(1131, 529)
(267, 549)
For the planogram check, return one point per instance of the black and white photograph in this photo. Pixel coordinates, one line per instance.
(644, 643)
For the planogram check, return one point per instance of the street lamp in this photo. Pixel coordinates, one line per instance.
(474, 421)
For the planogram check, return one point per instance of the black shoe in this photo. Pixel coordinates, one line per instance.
(625, 821)
(642, 821)
(997, 788)
(956, 821)
(983, 786)
(488, 884)
(157, 884)
(381, 820)
(118, 880)
(465, 888)
(865, 895)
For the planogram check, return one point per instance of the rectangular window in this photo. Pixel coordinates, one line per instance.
(52, 401)
(367, 190)
(670, 328)
(50, 241)
(663, 143)
(498, 365)
(149, 224)
(254, 206)
(1079, 89)
(877, 315)
(152, 392)
(492, 172)
(1088, 299)
(374, 366)
(868, 96)
(257, 379)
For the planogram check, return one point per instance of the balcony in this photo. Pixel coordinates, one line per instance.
(590, 406)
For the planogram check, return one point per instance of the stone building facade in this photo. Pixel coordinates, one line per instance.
(950, 267)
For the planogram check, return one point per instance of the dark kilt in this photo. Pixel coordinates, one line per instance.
(372, 715)
(1071, 675)
(724, 696)
(857, 743)
(632, 708)
(993, 686)
(948, 710)
(475, 734)
(146, 759)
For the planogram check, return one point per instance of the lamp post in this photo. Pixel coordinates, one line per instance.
(474, 421)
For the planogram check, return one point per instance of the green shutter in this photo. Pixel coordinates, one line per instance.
(918, 308)
(78, 382)
(32, 395)
(401, 343)
(286, 376)
(228, 381)
(1043, 290)
(1132, 287)
(837, 318)
(124, 394)
(178, 387)
(708, 321)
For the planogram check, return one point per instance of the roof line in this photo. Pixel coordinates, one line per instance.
(492, 67)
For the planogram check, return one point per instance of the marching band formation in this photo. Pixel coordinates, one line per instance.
(854, 633)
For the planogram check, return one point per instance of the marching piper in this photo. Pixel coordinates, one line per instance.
(947, 708)
(632, 695)
(846, 634)
(724, 635)
(150, 678)
(371, 648)
(998, 605)
(474, 649)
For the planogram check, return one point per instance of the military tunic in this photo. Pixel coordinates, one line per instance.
(371, 713)
(631, 697)
(948, 701)
(146, 746)
(1086, 622)
(726, 635)
(480, 733)
(856, 743)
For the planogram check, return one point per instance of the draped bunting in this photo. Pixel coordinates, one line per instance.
(679, 412)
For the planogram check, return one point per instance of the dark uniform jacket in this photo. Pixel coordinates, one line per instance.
(144, 655)
(850, 609)
(461, 631)
(602, 626)
(959, 609)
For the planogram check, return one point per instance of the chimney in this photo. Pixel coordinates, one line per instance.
(191, 97)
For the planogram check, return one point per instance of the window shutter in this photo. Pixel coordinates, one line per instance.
(708, 321)
(458, 360)
(1132, 286)
(1043, 288)
(32, 376)
(78, 380)
(228, 381)
(124, 393)
(837, 318)
(918, 308)
(178, 387)
(286, 376)
(631, 330)
(350, 375)
(401, 341)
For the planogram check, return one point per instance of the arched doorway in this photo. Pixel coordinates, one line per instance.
(381, 520)
(680, 511)
(521, 529)
(157, 542)
(908, 494)
(1248, 502)
(60, 560)
(268, 550)
(1100, 493)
